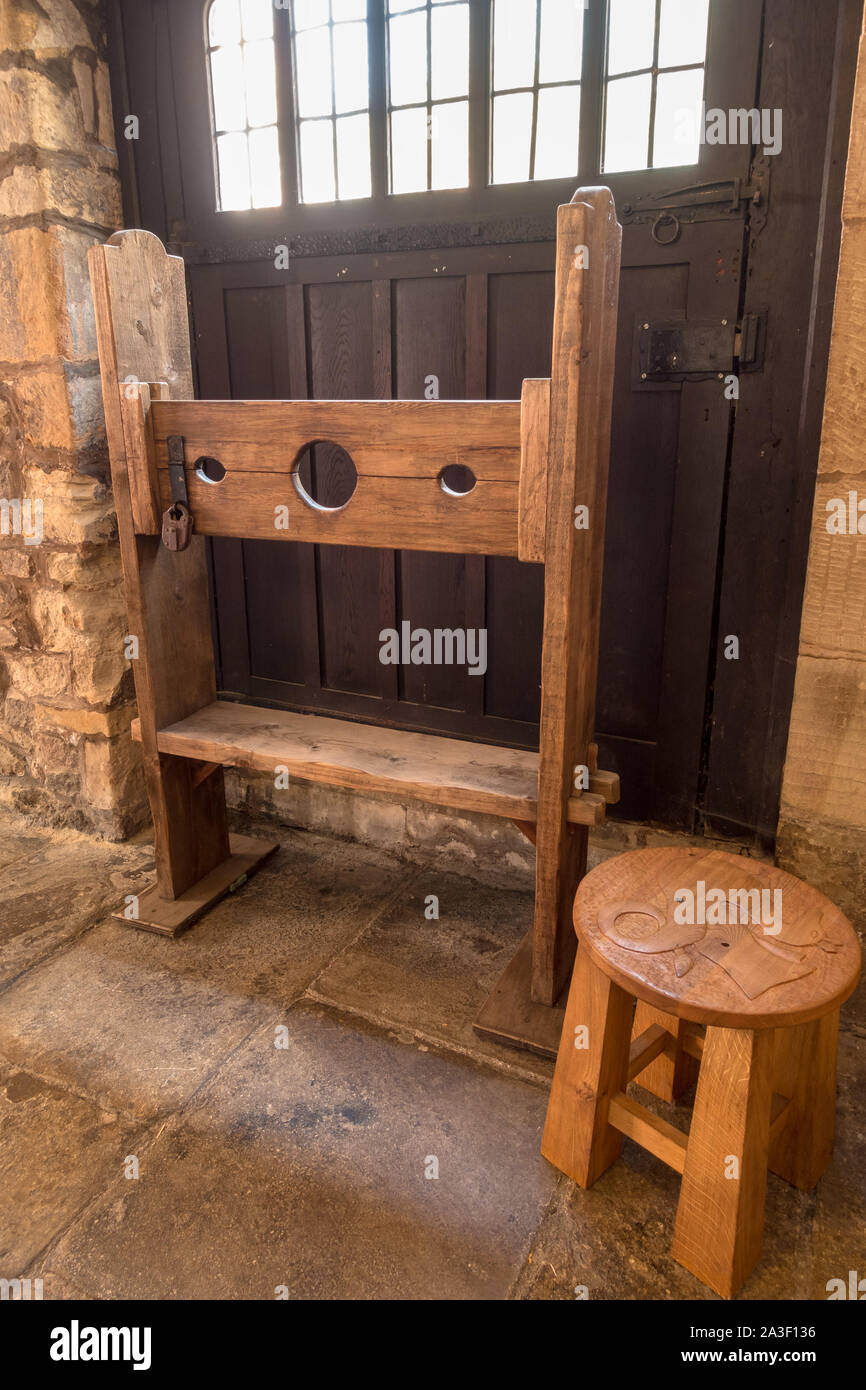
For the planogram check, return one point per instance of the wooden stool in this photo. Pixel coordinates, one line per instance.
(694, 936)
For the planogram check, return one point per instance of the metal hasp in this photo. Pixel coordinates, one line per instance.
(177, 521)
(674, 350)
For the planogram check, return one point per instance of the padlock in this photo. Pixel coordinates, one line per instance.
(177, 526)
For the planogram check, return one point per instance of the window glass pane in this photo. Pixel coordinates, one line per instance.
(450, 52)
(223, 22)
(227, 81)
(307, 13)
(261, 87)
(265, 168)
(627, 123)
(512, 134)
(450, 145)
(557, 132)
(631, 36)
(513, 44)
(560, 53)
(396, 6)
(234, 172)
(351, 86)
(313, 68)
(257, 18)
(683, 32)
(409, 150)
(407, 58)
(677, 123)
(317, 162)
(349, 9)
(353, 156)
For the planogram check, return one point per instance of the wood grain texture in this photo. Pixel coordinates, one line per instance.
(812, 929)
(578, 1137)
(646, 1045)
(651, 1131)
(581, 388)
(825, 767)
(534, 439)
(139, 298)
(805, 1072)
(720, 1216)
(425, 767)
(403, 513)
(387, 438)
(673, 1070)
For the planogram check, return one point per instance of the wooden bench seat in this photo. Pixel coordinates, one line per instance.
(446, 772)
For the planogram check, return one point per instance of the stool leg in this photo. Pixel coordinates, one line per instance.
(805, 1071)
(577, 1137)
(720, 1217)
(665, 1077)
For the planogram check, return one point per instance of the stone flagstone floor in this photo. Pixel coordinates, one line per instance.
(284, 1077)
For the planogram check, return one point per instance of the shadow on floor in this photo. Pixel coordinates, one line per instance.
(290, 1097)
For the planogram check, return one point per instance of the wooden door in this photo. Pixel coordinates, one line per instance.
(381, 298)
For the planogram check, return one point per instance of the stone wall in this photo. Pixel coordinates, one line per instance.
(65, 689)
(822, 828)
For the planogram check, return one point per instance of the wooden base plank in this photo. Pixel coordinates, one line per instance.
(441, 771)
(169, 917)
(510, 1016)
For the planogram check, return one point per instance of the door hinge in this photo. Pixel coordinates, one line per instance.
(703, 202)
(669, 351)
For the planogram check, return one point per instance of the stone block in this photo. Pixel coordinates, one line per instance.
(34, 302)
(834, 605)
(855, 179)
(51, 27)
(37, 109)
(89, 194)
(844, 410)
(77, 509)
(98, 567)
(12, 763)
(89, 722)
(15, 560)
(830, 856)
(105, 119)
(83, 73)
(48, 305)
(39, 675)
(98, 669)
(825, 768)
(112, 773)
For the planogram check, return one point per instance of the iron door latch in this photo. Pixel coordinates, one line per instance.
(669, 351)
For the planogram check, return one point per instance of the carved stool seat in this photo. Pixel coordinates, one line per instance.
(739, 971)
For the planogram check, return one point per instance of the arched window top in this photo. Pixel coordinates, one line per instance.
(240, 40)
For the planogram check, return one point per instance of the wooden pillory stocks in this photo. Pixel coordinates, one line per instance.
(535, 461)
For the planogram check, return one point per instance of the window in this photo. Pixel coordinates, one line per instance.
(240, 36)
(656, 53)
(379, 94)
(332, 99)
(537, 59)
(428, 94)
